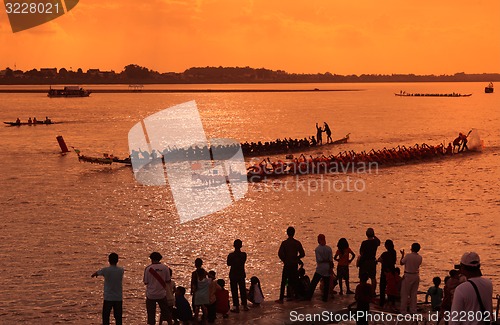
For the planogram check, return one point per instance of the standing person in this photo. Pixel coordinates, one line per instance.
(236, 260)
(113, 290)
(388, 261)
(156, 277)
(324, 266)
(328, 133)
(367, 261)
(290, 253)
(198, 263)
(202, 297)
(411, 279)
(474, 295)
(342, 257)
(319, 134)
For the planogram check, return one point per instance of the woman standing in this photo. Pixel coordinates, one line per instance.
(388, 261)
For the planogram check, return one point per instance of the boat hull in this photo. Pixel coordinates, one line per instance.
(31, 124)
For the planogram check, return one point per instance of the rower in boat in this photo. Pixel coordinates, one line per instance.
(18, 121)
(35, 120)
(30, 121)
(47, 120)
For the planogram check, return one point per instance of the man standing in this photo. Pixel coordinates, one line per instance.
(290, 253)
(411, 279)
(367, 261)
(236, 260)
(113, 297)
(156, 277)
(324, 267)
(473, 296)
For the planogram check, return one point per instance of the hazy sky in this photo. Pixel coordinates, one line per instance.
(339, 36)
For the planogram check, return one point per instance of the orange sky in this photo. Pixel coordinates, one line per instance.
(339, 36)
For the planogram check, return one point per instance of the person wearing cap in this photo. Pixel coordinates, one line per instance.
(113, 297)
(474, 295)
(324, 267)
(367, 261)
(156, 277)
(411, 279)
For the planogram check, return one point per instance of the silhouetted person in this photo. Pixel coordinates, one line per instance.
(236, 260)
(388, 261)
(363, 296)
(367, 261)
(319, 134)
(290, 253)
(113, 297)
(328, 133)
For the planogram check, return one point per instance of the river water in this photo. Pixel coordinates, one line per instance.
(61, 218)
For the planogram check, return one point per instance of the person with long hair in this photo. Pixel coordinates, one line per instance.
(343, 261)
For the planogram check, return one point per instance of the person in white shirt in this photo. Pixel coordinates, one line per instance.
(411, 279)
(467, 299)
(113, 290)
(156, 277)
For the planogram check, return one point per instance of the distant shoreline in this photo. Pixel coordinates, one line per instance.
(132, 91)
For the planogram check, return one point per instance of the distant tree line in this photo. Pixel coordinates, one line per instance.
(135, 74)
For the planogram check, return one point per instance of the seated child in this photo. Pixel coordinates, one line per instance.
(182, 310)
(304, 283)
(222, 299)
(436, 294)
(363, 296)
(213, 286)
(255, 295)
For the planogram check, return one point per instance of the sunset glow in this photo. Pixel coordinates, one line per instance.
(342, 37)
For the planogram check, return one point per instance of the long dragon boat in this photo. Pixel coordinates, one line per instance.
(285, 147)
(26, 123)
(354, 161)
(404, 94)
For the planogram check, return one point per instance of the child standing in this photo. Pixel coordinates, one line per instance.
(213, 287)
(255, 292)
(436, 294)
(342, 257)
(393, 286)
(201, 295)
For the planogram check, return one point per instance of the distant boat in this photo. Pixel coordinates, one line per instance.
(489, 88)
(68, 91)
(405, 94)
(27, 123)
